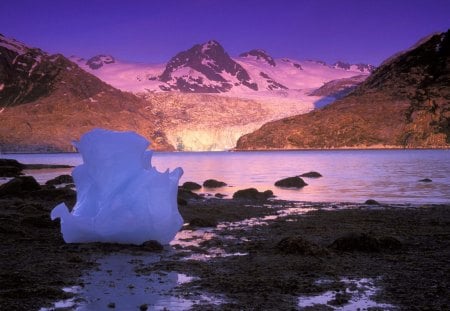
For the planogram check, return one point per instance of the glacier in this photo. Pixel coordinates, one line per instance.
(121, 198)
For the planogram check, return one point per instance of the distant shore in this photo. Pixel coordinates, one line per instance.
(257, 150)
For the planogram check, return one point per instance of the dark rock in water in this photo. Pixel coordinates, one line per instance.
(220, 195)
(311, 175)
(62, 179)
(203, 222)
(252, 194)
(10, 171)
(371, 202)
(11, 162)
(184, 194)
(19, 185)
(190, 185)
(298, 245)
(212, 183)
(291, 182)
(365, 243)
(152, 245)
(425, 180)
(10, 168)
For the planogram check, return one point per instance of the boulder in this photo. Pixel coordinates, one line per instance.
(311, 174)
(10, 168)
(220, 195)
(19, 185)
(291, 182)
(425, 180)
(298, 245)
(371, 202)
(190, 185)
(184, 194)
(62, 179)
(212, 183)
(364, 242)
(252, 194)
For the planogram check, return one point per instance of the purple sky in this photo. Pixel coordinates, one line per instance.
(153, 31)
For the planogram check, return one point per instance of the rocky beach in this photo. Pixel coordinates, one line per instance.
(247, 253)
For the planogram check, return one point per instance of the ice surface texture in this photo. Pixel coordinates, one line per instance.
(120, 197)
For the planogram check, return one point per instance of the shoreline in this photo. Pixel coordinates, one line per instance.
(37, 266)
(258, 150)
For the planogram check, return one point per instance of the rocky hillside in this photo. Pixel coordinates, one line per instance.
(404, 103)
(46, 101)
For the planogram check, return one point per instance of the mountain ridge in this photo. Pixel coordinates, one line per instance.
(404, 104)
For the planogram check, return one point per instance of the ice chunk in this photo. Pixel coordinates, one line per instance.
(120, 197)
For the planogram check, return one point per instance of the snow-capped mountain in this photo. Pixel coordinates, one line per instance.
(208, 68)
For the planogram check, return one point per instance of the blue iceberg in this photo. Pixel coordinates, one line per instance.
(121, 198)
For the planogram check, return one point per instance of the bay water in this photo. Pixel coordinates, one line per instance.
(388, 176)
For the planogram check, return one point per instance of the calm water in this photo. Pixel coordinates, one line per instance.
(389, 176)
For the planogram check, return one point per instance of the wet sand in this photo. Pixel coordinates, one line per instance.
(242, 263)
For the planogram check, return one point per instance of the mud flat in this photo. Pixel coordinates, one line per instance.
(250, 255)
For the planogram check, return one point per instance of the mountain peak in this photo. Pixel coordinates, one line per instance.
(188, 71)
(260, 55)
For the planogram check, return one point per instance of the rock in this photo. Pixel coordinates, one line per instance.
(220, 195)
(152, 246)
(391, 243)
(371, 202)
(311, 174)
(203, 222)
(184, 194)
(62, 179)
(10, 171)
(365, 243)
(252, 194)
(212, 183)
(10, 168)
(143, 307)
(425, 180)
(11, 162)
(190, 185)
(356, 242)
(291, 182)
(19, 185)
(298, 245)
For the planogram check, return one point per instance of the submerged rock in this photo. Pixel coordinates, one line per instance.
(371, 202)
(291, 182)
(10, 168)
(252, 194)
(190, 185)
(212, 183)
(311, 174)
(425, 180)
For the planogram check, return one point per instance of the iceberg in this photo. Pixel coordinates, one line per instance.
(121, 198)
